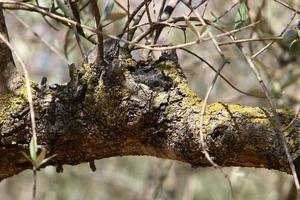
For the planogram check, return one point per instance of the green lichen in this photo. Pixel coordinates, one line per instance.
(10, 103)
(90, 75)
(160, 99)
(253, 115)
(129, 63)
(287, 132)
(170, 69)
(191, 99)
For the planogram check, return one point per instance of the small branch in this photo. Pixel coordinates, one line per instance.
(47, 44)
(249, 40)
(97, 15)
(9, 4)
(282, 32)
(287, 6)
(223, 77)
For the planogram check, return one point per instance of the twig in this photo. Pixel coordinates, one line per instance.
(131, 17)
(148, 12)
(226, 12)
(277, 120)
(51, 47)
(287, 6)
(223, 77)
(282, 32)
(97, 16)
(203, 108)
(77, 29)
(249, 40)
(122, 7)
(10, 4)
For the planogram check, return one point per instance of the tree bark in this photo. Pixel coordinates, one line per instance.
(127, 107)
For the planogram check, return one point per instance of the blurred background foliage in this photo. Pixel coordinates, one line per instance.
(153, 178)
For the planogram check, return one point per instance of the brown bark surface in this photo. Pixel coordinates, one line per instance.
(125, 107)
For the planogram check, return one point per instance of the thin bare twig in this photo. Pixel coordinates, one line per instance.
(223, 77)
(97, 15)
(282, 32)
(131, 17)
(77, 29)
(226, 12)
(249, 40)
(287, 6)
(278, 124)
(51, 47)
(10, 4)
(204, 103)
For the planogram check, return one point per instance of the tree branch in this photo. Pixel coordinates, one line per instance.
(125, 107)
(132, 108)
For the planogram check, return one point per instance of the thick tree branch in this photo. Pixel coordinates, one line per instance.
(125, 107)
(135, 108)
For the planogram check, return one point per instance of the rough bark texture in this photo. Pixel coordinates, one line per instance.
(134, 108)
(127, 107)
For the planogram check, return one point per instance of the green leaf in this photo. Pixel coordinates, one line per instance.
(40, 158)
(107, 10)
(203, 30)
(241, 16)
(289, 36)
(294, 47)
(33, 148)
(191, 26)
(277, 89)
(116, 16)
(47, 159)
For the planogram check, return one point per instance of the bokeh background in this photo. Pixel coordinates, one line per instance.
(137, 177)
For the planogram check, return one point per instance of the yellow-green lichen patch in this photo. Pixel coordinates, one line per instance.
(191, 99)
(254, 115)
(9, 103)
(90, 75)
(129, 62)
(22, 90)
(105, 102)
(12, 102)
(170, 69)
(289, 131)
(160, 99)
